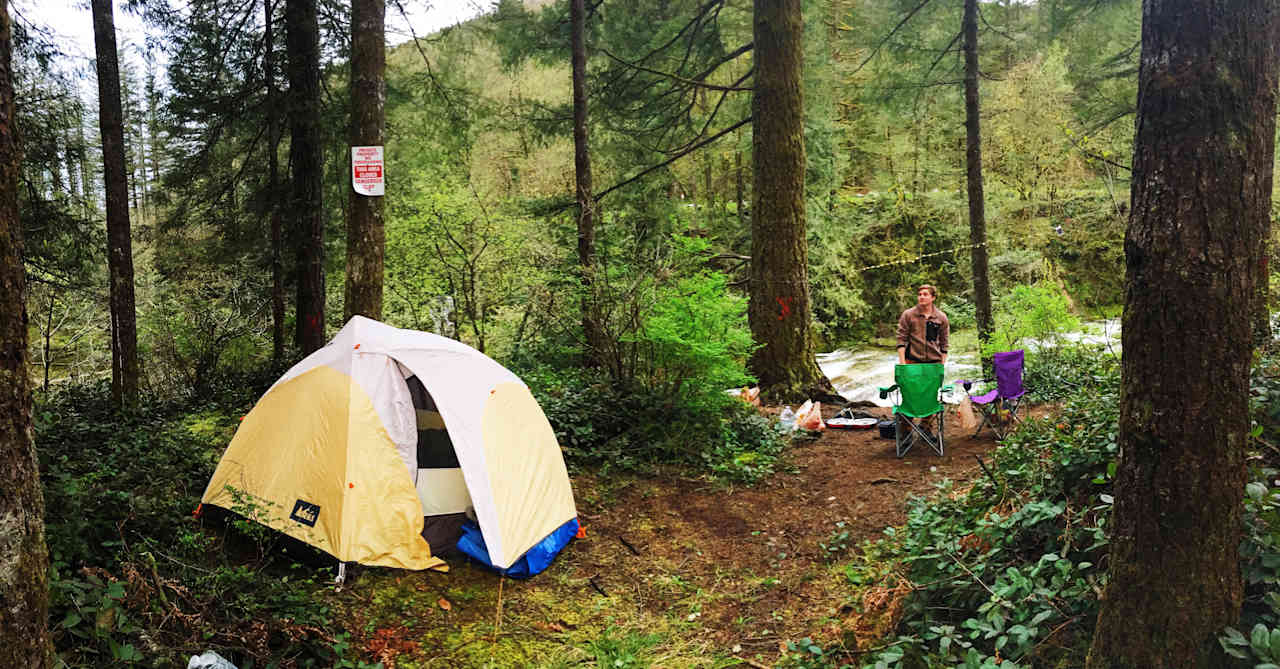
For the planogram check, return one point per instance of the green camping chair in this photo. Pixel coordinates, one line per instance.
(919, 395)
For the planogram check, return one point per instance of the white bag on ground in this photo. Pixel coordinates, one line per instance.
(209, 660)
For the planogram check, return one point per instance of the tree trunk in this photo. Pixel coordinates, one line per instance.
(1201, 193)
(24, 559)
(366, 236)
(778, 310)
(273, 186)
(973, 164)
(124, 337)
(591, 325)
(302, 34)
(740, 188)
(1262, 295)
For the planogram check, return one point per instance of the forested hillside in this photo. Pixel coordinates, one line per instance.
(480, 168)
(632, 207)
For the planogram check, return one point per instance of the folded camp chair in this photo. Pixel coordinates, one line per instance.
(919, 395)
(1001, 407)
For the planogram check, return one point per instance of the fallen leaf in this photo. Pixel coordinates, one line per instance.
(444, 604)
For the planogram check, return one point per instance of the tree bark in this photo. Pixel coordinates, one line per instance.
(273, 186)
(366, 235)
(593, 330)
(302, 35)
(124, 336)
(1201, 193)
(740, 188)
(1262, 294)
(973, 165)
(24, 559)
(779, 310)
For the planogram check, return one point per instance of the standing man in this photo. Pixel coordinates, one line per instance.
(924, 335)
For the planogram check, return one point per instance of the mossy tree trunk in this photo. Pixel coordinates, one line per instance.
(124, 329)
(779, 309)
(1262, 294)
(302, 43)
(273, 184)
(366, 234)
(1201, 194)
(592, 326)
(24, 560)
(973, 164)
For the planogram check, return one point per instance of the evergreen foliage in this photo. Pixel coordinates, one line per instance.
(481, 246)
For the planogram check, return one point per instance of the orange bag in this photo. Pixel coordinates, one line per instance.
(812, 418)
(968, 420)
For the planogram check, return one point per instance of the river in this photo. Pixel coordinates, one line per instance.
(858, 373)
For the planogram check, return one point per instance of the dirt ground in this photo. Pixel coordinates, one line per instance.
(776, 527)
(721, 575)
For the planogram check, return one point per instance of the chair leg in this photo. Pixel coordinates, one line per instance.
(986, 418)
(906, 438)
(1009, 416)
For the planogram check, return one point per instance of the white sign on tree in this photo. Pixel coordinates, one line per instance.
(366, 170)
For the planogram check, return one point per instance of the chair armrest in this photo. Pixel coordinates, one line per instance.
(969, 384)
(884, 392)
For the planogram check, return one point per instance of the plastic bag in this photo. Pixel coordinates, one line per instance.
(812, 418)
(209, 660)
(968, 420)
(787, 419)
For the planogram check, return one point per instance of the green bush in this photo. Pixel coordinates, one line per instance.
(1000, 568)
(599, 422)
(1038, 312)
(696, 337)
(131, 569)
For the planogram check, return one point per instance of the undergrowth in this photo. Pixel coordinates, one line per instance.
(609, 425)
(1007, 570)
(135, 579)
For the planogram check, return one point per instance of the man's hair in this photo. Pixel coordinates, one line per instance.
(932, 291)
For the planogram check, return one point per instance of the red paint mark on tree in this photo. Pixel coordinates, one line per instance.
(785, 303)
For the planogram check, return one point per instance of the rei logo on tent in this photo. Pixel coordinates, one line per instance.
(305, 513)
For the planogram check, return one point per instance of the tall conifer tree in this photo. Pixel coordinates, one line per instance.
(779, 310)
(366, 235)
(24, 560)
(1201, 196)
(592, 327)
(973, 165)
(303, 44)
(124, 337)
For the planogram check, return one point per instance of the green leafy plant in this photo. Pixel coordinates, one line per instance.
(836, 544)
(1038, 312)
(620, 649)
(1262, 646)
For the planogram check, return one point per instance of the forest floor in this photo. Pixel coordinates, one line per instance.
(674, 571)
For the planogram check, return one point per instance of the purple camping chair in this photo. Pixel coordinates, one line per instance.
(1001, 407)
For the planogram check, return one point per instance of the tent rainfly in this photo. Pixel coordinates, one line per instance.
(339, 452)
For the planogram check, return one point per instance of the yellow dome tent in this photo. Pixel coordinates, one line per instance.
(330, 455)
